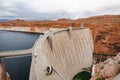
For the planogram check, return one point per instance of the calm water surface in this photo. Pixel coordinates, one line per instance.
(17, 67)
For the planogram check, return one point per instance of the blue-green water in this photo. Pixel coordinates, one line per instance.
(84, 75)
(17, 67)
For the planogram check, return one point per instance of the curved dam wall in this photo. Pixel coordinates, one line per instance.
(17, 67)
(68, 51)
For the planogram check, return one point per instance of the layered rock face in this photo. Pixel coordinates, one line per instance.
(105, 30)
(106, 35)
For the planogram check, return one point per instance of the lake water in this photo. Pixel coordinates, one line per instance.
(17, 67)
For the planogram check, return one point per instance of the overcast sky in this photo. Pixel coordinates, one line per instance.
(54, 9)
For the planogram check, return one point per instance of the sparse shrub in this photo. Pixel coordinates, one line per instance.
(118, 62)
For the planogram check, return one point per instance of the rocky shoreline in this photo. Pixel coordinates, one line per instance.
(106, 68)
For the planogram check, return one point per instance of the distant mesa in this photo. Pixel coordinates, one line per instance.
(105, 16)
(19, 20)
(64, 19)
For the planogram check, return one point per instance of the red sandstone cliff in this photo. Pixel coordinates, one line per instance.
(105, 30)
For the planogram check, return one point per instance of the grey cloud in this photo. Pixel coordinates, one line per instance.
(21, 10)
(5, 8)
(109, 10)
(103, 11)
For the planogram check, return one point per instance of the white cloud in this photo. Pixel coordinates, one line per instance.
(75, 8)
(71, 6)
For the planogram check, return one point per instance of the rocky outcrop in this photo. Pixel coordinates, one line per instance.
(3, 74)
(108, 69)
(105, 30)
